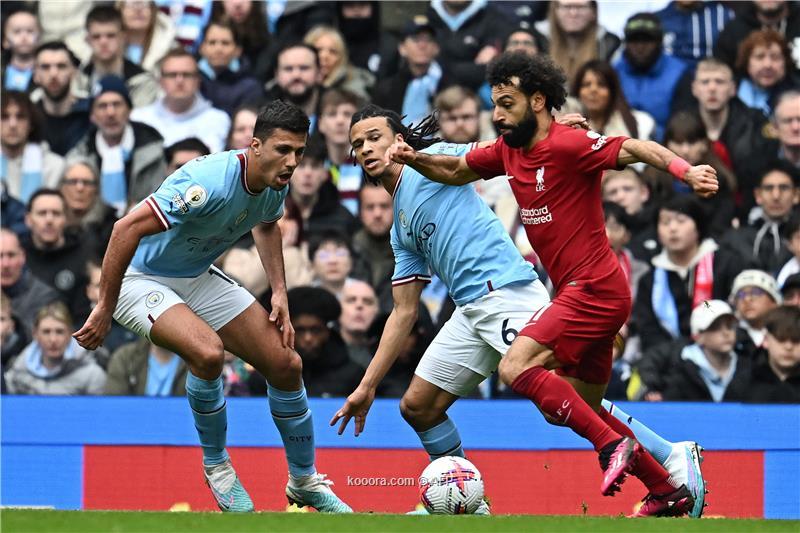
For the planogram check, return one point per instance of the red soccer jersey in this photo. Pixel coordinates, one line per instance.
(557, 186)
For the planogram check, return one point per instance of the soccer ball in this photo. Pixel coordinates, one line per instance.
(451, 485)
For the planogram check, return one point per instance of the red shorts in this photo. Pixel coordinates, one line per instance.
(579, 326)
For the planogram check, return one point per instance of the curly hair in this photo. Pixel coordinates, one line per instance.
(418, 136)
(536, 74)
(280, 115)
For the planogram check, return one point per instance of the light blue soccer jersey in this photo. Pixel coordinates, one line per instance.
(451, 231)
(204, 207)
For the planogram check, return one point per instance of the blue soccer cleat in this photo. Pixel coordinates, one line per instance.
(227, 489)
(314, 491)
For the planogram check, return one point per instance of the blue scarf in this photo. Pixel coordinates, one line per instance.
(34, 363)
(31, 176)
(419, 93)
(664, 306)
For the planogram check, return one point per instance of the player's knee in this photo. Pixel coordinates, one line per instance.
(415, 413)
(209, 356)
(287, 367)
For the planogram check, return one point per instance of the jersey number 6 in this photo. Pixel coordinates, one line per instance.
(508, 334)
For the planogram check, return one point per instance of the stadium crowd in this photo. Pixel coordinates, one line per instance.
(102, 100)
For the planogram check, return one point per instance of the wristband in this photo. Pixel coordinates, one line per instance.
(678, 167)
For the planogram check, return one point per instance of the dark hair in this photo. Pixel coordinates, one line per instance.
(418, 136)
(337, 97)
(44, 191)
(104, 14)
(690, 206)
(611, 209)
(684, 126)
(192, 144)
(297, 44)
(783, 323)
(616, 98)
(280, 115)
(252, 29)
(536, 74)
(784, 167)
(57, 46)
(292, 212)
(792, 226)
(333, 236)
(227, 25)
(28, 108)
(316, 151)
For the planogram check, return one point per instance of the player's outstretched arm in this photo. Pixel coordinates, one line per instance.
(398, 328)
(267, 238)
(701, 178)
(446, 169)
(125, 237)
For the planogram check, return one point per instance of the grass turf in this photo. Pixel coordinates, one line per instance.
(18, 520)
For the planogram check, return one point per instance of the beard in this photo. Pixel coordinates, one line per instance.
(300, 99)
(521, 134)
(58, 96)
(643, 64)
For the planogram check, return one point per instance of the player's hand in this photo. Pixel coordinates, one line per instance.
(280, 316)
(400, 152)
(95, 329)
(703, 180)
(575, 120)
(357, 405)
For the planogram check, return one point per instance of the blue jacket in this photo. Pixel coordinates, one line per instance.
(652, 91)
(690, 35)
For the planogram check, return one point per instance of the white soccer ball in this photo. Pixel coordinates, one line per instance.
(451, 485)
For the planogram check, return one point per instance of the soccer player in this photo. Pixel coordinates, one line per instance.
(494, 288)
(158, 280)
(555, 174)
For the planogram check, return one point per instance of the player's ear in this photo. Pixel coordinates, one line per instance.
(537, 102)
(256, 144)
(398, 138)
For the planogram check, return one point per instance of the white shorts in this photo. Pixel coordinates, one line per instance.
(469, 346)
(212, 295)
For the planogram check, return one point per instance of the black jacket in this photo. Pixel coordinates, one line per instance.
(328, 213)
(766, 387)
(771, 253)
(64, 269)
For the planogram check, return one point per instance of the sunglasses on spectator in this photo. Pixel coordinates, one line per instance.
(312, 330)
(750, 292)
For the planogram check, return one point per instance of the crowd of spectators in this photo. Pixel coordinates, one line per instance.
(102, 100)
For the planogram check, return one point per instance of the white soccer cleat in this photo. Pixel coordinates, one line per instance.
(683, 465)
(314, 490)
(227, 489)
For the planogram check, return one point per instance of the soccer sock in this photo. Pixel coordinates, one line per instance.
(293, 418)
(655, 478)
(653, 443)
(442, 440)
(560, 401)
(210, 417)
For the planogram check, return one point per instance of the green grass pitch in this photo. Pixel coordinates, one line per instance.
(14, 520)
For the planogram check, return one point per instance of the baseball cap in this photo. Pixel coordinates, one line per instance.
(791, 283)
(110, 84)
(706, 313)
(643, 27)
(418, 24)
(755, 278)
